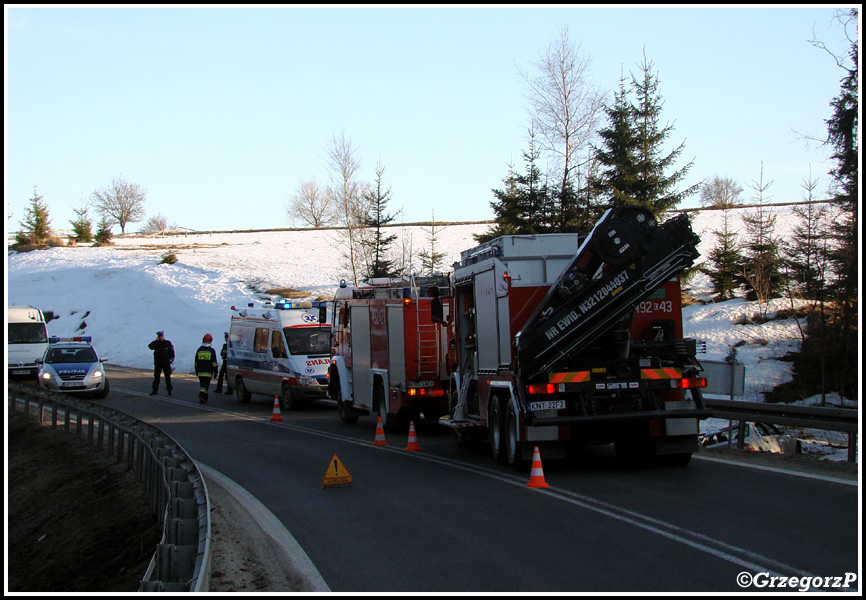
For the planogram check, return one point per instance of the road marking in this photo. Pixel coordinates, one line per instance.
(778, 470)
(739, 556)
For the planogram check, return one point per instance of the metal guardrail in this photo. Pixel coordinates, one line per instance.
(816, 417)
(181, 562)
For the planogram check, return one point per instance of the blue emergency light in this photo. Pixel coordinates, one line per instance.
(83, 338)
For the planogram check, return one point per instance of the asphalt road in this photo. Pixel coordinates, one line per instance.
(447, 519)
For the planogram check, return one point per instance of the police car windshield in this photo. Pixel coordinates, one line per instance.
(308, 340)
(71, 355)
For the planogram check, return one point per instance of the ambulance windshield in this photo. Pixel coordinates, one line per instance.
(308, 340)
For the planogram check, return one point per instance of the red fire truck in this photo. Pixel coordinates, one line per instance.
(388, 352)
(562, 340)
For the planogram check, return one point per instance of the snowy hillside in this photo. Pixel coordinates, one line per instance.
(122, 295)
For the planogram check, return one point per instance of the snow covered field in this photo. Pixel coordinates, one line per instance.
(121, 295)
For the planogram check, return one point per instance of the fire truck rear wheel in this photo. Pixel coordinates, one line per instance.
(389, 421)
(335, 392)
(514, 447)
(680, 459)
(344, 417)
(497, 431)
(634, 449)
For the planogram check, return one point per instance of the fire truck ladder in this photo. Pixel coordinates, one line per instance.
(429, 346)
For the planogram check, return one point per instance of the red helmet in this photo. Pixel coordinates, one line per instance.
(207, 339)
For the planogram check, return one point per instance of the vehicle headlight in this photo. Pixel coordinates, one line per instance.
(46, 376)
(96, 374)
(308, 381)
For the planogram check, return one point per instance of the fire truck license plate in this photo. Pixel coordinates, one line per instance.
(547, 405)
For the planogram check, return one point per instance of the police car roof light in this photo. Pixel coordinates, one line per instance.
(82, 338)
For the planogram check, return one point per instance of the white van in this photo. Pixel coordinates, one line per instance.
(281, 350)
(27, 340)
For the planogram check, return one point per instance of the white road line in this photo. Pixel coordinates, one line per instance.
(739, 556)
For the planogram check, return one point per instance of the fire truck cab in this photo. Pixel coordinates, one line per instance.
(388, 350)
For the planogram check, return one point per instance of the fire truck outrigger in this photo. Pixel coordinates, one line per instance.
(388, 353)
(564, 340)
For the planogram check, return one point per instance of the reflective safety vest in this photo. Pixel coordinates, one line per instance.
(206, 362)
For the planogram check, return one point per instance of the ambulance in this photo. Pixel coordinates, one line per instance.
(280, 350)
(27, 341)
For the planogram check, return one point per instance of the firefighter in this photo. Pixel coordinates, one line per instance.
(205, 366)
(224, 355)
(436, 310)
(163, 356)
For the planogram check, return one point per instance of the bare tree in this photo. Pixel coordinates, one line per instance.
(122, 202)
(312, 204)
(156, 224)
(566, 105)
(721, 192)
(348, 195)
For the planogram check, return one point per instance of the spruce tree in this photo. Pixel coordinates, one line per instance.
(761, 271)
(806, 250)
(524, 206)
(379, 243)
(431, 259)
(654, 189)
(724, 260)
(632, 165)
(82, 226)
(844, 138)
(103, 235)
(617, 154)
(36, 226)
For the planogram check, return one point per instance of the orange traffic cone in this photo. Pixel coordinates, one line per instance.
(380, 434)
(276, 416)
(536, 476)
(413, 440)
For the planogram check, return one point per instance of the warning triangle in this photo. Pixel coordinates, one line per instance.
(337, 474)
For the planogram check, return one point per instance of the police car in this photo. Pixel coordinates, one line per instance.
(71, 365)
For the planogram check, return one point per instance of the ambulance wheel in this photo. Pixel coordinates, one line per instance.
(514, 447)
(241, 390)
(286, 400)
(496, 422)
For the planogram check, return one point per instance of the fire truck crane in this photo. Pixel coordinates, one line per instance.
(562, 340)
(388, 354)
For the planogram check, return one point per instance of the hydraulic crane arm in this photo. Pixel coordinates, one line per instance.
(625, 258)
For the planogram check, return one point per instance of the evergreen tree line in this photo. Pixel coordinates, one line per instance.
(36, 232)
(627, 166)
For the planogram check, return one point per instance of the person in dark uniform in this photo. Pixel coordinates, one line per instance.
(163, 356)
(224, 355)
(206, 366)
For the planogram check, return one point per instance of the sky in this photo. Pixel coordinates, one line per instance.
(89, 290)
(220, 113)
